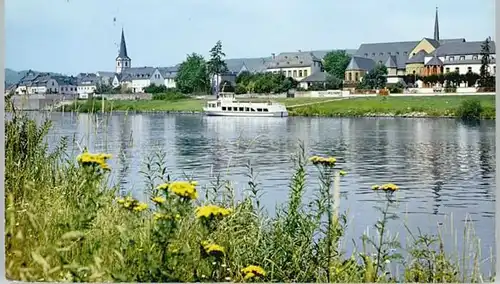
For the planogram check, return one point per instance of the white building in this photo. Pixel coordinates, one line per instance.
(297, 65)
(87, 84)
(464, 57)
(169, 74)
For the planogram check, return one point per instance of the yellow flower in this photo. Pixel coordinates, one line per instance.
(390, 187)
(99, 160)
(140, 207)
(342, 173)
(163, 186)
(213, 249)
(252, 271)
(325, 161)
(158, 216)
(159, 199)
(212, 211)
(184, 189)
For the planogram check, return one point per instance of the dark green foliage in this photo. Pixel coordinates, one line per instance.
(470, 109)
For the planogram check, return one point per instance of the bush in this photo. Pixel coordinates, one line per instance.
(169, 96)
(486, 89)
(470, 109)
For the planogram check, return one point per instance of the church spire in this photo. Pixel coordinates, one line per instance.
(436, 26)
(123, 48)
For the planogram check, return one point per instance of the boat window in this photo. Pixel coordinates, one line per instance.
(242, 109)
(223, 108)
(252, 109)
(259, 109)
(218, 104)
(266, 109)
(247, 109)
(229, 108)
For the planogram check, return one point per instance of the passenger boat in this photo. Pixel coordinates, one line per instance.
(227, 105)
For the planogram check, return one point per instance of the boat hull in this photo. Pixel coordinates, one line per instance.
(247, 114)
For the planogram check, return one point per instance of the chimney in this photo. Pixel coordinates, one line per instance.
(273, 55)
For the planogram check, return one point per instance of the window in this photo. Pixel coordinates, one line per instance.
(405, 53)
(252, 109)
(266, 109)
(469, 69)
(229, 108)
(118, 63)
(457, 69)
(447, 69)
(289, 73)
(494, 69)
(373, 54)
(356, 76)
(389, 53)
(300, 73)
(223, 108)
(247, 109)
(350, 76)
(475, 57)
(294, 73)
(366, 54)
(241, 109)
(126, 64)
(397, 52)
(305, 73)
(381, 54)
(451, 58)
(462, 57)
(259, 109)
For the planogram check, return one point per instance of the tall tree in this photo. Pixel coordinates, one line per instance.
(375, 78)
(216, 65)
(192, 76)
(335, 63)
(485, 79)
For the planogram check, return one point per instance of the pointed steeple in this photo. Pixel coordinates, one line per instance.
(436, 26)
(123, 48)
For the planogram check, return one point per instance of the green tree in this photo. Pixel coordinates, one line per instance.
(154, 89)
(485, 80)
(375, 78)
(335, 63)
(103, 89)
(216, 65)
(192, 76)
(471, 78)
(333, 82)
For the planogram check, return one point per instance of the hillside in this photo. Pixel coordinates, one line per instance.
(13, 77)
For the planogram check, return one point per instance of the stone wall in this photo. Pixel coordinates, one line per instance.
(40, 102)
(138, 96)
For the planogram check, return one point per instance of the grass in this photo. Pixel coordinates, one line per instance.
(64, 223)
(438, 106)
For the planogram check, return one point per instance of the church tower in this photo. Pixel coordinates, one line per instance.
(436, 26)
(123, 61)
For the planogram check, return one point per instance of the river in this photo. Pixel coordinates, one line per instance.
(445, 168)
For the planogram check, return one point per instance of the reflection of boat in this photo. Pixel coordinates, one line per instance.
(227, 105)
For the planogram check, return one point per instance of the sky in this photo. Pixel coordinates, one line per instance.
(72, 36)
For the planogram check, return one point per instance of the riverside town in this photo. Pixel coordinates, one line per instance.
(361, 161)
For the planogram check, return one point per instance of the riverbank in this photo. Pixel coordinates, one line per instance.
(71, 226)
(397, 106)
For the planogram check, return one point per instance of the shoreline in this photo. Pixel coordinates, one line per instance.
(200, 113)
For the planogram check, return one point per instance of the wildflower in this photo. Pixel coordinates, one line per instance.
(140, 207)
(158, 216)
(388, 187)
(96, 160)
(209, 211)
(325, 161)
(253, 271)
(342, 173)
(184, 189)
(213, 249)
(159, 199)
(132, 204)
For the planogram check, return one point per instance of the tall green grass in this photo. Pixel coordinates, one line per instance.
(64, 223)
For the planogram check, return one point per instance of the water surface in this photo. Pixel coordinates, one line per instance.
(445, 168)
